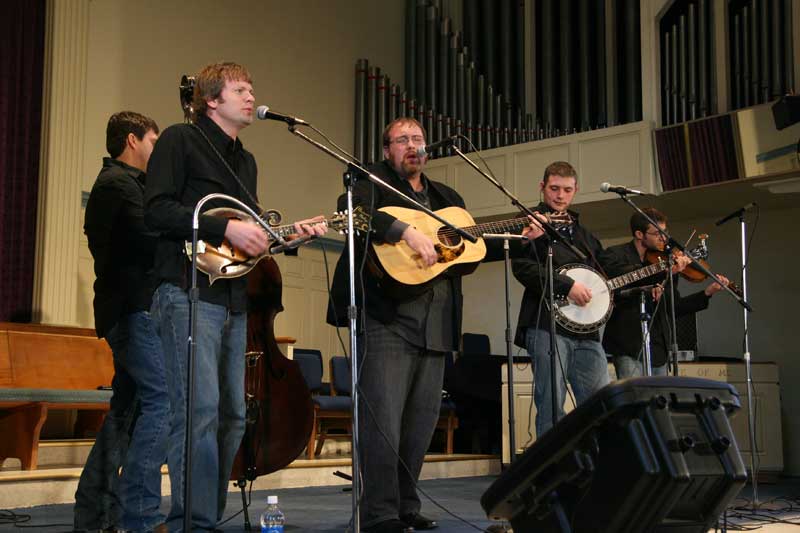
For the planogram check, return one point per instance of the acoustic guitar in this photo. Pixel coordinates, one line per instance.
(405, 266)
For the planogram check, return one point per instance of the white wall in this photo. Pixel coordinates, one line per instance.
(301, 55)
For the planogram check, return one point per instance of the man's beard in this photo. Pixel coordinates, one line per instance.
(409, 168)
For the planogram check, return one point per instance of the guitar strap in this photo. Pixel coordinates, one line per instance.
(262, 211)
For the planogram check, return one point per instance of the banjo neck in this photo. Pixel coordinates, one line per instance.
(638, 274)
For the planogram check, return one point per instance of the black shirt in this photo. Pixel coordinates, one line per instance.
(382, 299)
(623, 333)
(120, 244)
(183, 169)
(531, 272)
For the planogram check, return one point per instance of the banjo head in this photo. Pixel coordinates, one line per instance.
(590, 317)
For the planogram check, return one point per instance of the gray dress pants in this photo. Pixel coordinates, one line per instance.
(401, 394)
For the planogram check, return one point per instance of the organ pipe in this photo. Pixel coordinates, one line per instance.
(360, 131)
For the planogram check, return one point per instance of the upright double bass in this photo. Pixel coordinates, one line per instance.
(279, 407)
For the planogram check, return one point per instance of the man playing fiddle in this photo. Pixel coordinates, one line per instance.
(622, 338)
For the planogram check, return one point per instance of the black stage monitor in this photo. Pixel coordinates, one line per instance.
(651, 454)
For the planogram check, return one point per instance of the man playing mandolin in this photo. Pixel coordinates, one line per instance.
(622, 337)
(580, 356)
(188, 162)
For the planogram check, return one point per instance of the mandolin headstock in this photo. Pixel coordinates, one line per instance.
(361, 221)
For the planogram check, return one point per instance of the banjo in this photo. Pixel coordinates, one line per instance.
(590, 317)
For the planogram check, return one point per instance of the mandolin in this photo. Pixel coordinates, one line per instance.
(227, 261)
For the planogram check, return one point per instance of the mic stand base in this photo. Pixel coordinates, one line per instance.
(242, 484)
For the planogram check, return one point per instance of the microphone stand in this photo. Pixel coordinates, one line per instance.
(354, 168)
(553, 236)
(673, 244)
(747, 363)
(194, 297)
(644, 318)
(506, 237)
(748, 367)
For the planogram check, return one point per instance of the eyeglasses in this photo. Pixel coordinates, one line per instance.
(404, 139)
(655, 234)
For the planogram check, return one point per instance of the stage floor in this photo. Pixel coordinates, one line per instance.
(327, 509)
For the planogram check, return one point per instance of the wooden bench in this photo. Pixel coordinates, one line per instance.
(45, 368)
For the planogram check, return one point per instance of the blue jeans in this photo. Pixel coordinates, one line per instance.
(133, 436)
(218, 413)
(584, 362)
(628, 367)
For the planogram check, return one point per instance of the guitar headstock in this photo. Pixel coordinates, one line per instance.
(361, 220)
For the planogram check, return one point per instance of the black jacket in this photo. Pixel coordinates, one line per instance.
(120, 243)
(623, 332)
(381, 300)
(183, 169)
(531, 272)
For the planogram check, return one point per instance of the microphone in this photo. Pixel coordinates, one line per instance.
(736, 213)
(619, 189)
(423, 151)
(263, 113)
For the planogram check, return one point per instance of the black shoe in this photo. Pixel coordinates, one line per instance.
(389, 526)
(417, 521)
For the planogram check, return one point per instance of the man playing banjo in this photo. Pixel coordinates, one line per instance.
(580, 356)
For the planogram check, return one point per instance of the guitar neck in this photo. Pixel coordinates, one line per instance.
(636, 275)
(501, 226)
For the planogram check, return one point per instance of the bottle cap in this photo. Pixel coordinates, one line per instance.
(272, 500)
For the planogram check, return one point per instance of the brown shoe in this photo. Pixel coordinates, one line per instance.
(161, 528)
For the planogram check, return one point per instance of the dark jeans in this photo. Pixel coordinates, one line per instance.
(401, 387)
(133, 436)
(218, 411)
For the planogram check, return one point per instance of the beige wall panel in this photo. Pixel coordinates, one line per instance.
(601, 160)
(289, 323)
(437, 173)
(478, 193)
(85, 297)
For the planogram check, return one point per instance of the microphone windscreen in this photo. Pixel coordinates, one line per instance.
(605, 186)
(261, 112)
(421, 151)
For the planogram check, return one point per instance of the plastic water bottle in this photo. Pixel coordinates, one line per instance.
(272, 518)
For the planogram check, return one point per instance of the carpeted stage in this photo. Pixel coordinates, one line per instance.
(327, 509)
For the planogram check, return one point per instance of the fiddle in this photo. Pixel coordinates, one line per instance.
(691, 273)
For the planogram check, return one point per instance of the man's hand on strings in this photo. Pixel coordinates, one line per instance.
(422, 244)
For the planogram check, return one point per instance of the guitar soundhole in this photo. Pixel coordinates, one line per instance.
(447, 237)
